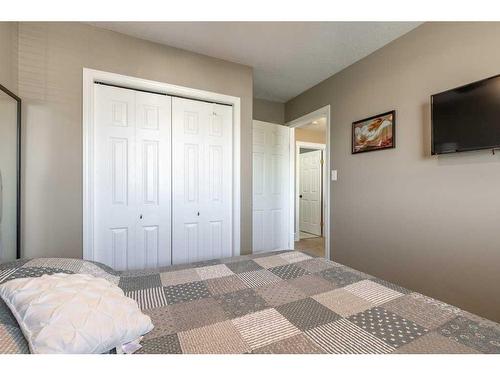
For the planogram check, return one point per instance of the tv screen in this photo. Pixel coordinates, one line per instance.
(467, 118)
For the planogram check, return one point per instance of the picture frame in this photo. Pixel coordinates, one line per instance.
(374, 133)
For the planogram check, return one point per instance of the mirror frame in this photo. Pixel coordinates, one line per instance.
(18, 169)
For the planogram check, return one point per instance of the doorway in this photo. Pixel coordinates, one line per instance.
(309, 180)
(309, 142)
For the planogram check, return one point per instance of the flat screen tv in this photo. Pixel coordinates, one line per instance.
(467, 118)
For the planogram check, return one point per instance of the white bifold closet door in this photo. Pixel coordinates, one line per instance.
(310, 191)
(271, 186)
(132, 185)
(202, 162)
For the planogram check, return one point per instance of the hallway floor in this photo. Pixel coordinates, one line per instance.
(313, 246)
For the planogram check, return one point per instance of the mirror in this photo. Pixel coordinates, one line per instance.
(10, 136)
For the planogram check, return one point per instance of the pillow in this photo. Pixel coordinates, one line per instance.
(64, 313)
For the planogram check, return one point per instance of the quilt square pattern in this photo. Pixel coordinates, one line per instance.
(72, 265)
(186, 292)
(271, 261)
(163, 322)
(5, 273)
(297, 344)
(315, 265)
(294, 256)
(198, 313)
(340, 277)
(33, 272)
(213, 272)
(225, 285)
(472, 334)
(238, 258)
(422, 310)
(342, 302)
(13, 265)
(397, 288)
(393, 329)
(244, 266)
(179, 277)
(288, 271)
(203, 263)
(278, 302)
(307, 313)
(148, 298)
(218, 338)
(6, 317)
(372, 292)
(434, 343)
(140, 282)
(12, 340)
(312, 284)
(344, 337)
(264, 327)
(168, 344)
(241, 302)
(280, 293)
(255, 279)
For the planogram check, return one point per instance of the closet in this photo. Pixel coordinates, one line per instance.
(162, 179)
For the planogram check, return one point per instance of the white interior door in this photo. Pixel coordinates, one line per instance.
(270, 187)
(131, 178)
(153, 179)
(310, 192)
(202, 180)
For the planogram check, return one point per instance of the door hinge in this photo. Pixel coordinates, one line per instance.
(322, 161)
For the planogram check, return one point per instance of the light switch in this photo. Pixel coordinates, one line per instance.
(334, 175)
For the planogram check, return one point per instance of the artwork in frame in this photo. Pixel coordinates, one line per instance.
(374, 133)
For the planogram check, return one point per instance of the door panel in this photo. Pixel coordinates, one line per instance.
(270, 187)
(132, 178)
(150, 236)
(119, 170)
(310, 191)
(153, 177)
(119, 247)
(114, 190)
(202, 154)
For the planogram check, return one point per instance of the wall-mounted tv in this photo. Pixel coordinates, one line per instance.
(467, 118)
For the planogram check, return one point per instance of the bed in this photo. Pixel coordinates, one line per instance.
(280, 302)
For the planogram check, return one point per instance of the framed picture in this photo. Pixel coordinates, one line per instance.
(374, 133)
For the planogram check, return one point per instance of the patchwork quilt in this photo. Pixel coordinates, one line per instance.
(281, 302)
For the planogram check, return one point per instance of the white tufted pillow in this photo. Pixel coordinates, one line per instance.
(78, 313)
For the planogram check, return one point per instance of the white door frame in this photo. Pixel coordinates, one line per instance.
(90, 76)
(314, 146)
(297, 123)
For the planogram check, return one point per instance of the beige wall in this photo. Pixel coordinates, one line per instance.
(429, 223)
(268, 111)
(51, 57)
(304, 135)
(8, 55)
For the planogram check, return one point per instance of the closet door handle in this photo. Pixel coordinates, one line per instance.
(198, 214)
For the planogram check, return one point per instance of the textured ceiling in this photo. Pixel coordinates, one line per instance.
(287, 57)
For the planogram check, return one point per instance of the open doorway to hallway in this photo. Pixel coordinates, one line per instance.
(310, 175)
(277, 152)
